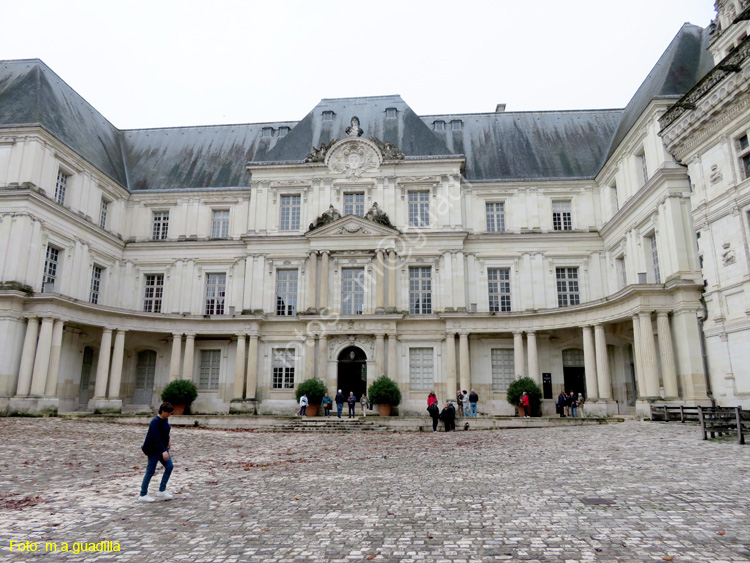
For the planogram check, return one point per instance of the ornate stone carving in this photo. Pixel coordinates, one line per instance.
(328, 217)
(354, 129)
(353, 157)
(377, 215)
(389, 151)
(727, 255)
(716, 175)
(319, 155)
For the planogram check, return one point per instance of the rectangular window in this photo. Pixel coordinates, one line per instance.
(215, 290)
(562, 216)
(438, 125)
(644, 168)
(354, 204)
(286, 292)
(103, 213)
(283, 369)
(266, 132)
(210, 369)
(567, 287)
(154, 292)
(420, 290)
(290, 212)
(503, 368)
(96, 283)
(161, 225)
(498, 281)
(220, 223)
(283, 131)
(61, 185)
(495, 217)
(615, 198)
(654, 259)
(391, 113)
(352, 291)
(743, 151)
(50, 267)
(327, 116)
(419, 209)
(457, 124)
(620, 272)
(421, 368)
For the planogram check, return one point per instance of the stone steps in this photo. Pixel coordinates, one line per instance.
(328, 426)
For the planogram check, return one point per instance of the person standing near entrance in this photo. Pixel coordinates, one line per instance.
(363, 400)
(525, 404)
(473, 400)
(352, 400)
(449, 417)
(580, 403)
(431, 398)
(339, 403)
(303, 405)
(562, 399)
(460, 402)
(434, 411)
(467, 406)
(156, 446)
(573, 402)
(327, 405)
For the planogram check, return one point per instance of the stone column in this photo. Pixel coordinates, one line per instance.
(312, 267)
(666, 352)
(323, 360)
(174, 361)
(638, 357)
(41, 363)
(602, 364)
(392, 278)
(648, 348)
(102, 368)
(239, 367)
(309, 358)
(533, 357)
(589, 361)
(189, 357)
(324, 279)
(252, 368)
(50, 389)
(518, 353)
(450, 362)
(379, 355)
(393, 360)
(379, 281)
(27, 357)
(118, 355)
(463, 361)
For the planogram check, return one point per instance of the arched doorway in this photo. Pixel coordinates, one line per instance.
(352, 371)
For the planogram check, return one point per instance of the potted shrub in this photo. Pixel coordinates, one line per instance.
(181, 393)
(385, 393)
(315, 390)
(516, 389)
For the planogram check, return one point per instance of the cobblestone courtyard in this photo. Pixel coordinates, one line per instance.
(505, 495)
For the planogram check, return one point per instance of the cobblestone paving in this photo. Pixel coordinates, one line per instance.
(505, 495)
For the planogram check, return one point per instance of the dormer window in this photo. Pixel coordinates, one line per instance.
(267, 132)
(327, 116)
(438, 125)
(283, 131)
(457, 124)
(391, 113)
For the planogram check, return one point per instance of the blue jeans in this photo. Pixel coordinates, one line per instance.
(574, 411)
(151, 469)
(473, 409)
(327, 410)
(303, 410)
(339, 408)
(352, 407)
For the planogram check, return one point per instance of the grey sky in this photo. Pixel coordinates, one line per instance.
(171, 63)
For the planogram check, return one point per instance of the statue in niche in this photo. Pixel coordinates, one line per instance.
(388, 150)
(319, 155)
(377, 215)
(327, 217)
(354, 130)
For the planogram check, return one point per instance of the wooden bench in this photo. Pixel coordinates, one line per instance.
(681, 413)
(724, 420)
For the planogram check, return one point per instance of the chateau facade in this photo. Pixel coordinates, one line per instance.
(445, 251)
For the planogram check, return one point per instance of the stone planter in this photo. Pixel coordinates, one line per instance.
(312, 410)
(178, 409)
(384, 410)
(521, 412)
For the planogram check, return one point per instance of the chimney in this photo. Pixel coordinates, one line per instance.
(500, 108)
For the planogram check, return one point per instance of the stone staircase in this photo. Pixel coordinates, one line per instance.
(328, 425)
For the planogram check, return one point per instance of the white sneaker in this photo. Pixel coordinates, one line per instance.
(166, 495)
(145, 498)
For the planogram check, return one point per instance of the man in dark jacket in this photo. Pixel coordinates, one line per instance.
(352, 400)
(156, 447)
(339, 403)
(434, 411)
(448, 416)
(562, 401)
(473, 400)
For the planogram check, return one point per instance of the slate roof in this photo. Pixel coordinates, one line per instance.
(508, 146)
(682, 65)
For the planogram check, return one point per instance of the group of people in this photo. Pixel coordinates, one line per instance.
(568, 404)
(327, 404)
(467, 406)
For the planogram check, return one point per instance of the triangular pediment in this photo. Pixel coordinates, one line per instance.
(353, 225)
